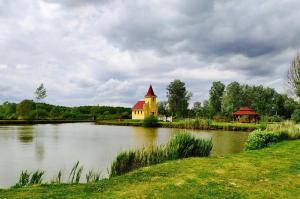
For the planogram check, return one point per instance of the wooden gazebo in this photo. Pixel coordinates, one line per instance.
(247, 112)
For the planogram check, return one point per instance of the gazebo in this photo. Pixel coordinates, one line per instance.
(249, 113)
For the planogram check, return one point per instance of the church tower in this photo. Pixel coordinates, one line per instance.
(150, 99)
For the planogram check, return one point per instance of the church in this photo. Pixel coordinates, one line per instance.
(145, 108)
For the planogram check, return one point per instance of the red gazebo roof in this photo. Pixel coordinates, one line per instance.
(150, 92)
(245, 111)
(139, 105)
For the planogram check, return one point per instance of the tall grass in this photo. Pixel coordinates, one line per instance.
(75, 173)
(93, 176)
(273, 133)
(26, 178)
(180, 146)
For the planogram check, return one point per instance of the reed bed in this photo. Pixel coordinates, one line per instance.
(180, 146)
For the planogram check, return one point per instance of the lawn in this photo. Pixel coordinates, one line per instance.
(273, 172)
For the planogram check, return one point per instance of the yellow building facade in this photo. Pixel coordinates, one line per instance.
(145, 108)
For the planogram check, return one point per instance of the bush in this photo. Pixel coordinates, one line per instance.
(274, 118)
(180, 146)
(151, 121)
(259, 139)
(296, 116)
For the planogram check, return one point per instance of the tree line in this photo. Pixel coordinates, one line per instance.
(224, 100)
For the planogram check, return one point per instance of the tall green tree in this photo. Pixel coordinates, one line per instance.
(40, 94)
(25, 109)
(197, 109)
(178, 98)
(215, 97)
(233, 98)
(163, 108)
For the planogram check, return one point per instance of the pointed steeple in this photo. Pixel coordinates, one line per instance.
(150, 92)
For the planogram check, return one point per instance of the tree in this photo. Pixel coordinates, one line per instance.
(233, 98)
(215, 97)
(24, 109)
(163, 108)
(294, 75)
(40, 93)
(178, 98)
(197, 109)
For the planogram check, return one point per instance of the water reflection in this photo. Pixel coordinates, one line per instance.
(144, 137)
(25, 134)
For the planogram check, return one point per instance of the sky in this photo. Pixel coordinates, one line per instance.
(108, 52)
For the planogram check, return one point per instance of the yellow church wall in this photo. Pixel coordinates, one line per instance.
(138, 114)
(152, 105)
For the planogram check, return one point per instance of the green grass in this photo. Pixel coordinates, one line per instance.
(273, 172)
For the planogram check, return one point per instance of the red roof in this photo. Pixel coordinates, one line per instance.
(150, 92)
(139, 105)
(245, 111)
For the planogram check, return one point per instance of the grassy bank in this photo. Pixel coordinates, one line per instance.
(19, 122)
(250, 174)
(190, 124)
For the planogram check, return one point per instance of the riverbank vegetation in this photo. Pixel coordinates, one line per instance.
(249, 174)
(180, 146)
(273, 133)
(196, 123)
(26, 110)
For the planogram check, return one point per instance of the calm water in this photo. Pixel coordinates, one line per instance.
(52, 147)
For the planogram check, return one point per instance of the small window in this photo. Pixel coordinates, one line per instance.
(153, 99)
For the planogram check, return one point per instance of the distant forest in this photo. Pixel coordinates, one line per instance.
(30, 110)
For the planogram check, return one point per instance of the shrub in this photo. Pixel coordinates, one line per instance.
(296, 116)
(180, 146)
(259, 139)
(151, 121)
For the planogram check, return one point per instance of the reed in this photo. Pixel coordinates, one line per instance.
(92, 176)
(57, 179)
(37, 177)
(181, 145)
(24, 179)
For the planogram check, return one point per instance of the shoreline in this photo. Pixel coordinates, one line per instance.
(20, 122)
(213, 126)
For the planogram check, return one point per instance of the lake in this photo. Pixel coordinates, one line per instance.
(54, 147)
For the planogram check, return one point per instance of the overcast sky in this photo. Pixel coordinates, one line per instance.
(109, 51)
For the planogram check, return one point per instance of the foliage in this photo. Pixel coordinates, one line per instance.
(260, 139)
(215, 97)
(27, 178)
(185, 145)
(180, 146)
(93, 176)
(296, 116)
(24, 108)
(265, 101)
(163, 108)
(36, 177)
(27, 110)
(151, 121)
(272, 134)
(40, 92)
(75, 173)
(178, 98)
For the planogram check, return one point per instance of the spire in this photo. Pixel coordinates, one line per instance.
(150, 92)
